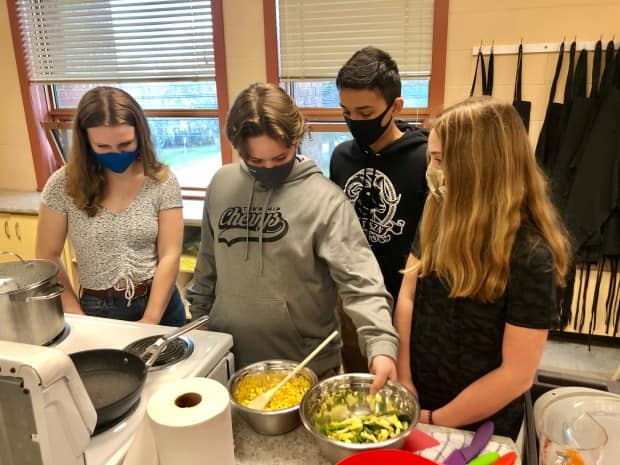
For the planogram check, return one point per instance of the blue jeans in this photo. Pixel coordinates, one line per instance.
(116, 307)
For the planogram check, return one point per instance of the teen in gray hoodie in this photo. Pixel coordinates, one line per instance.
(279, 243)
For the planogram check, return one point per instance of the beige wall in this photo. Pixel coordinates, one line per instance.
(245, 44)
(470, 21)
(16, 168)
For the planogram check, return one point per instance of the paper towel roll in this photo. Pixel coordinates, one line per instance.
(191, 423)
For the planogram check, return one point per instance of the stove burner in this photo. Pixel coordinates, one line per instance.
(61, 336)
(176, 350)
(106, 426)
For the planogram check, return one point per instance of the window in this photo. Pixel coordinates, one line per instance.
(307, 41)
(165, 53)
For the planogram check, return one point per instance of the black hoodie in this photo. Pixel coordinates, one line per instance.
(388, 190)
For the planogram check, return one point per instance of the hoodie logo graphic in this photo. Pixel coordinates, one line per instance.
(375, 200)
(236, 224)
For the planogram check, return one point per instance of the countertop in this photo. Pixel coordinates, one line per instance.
(27, 203)
(299, 448)
(23, 202)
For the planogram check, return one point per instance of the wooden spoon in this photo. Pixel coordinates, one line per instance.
(261, 401)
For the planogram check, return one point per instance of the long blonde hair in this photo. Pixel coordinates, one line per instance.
(105, 106)
(493, 187)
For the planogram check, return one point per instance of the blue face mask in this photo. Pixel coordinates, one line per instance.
(116, 161)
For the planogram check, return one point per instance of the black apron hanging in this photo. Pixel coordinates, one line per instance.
(486, 77)
(593, 206)
(610, 247)
(555, 117)
(488, 90)
(594, 193)
(523, 107)
(579, 123)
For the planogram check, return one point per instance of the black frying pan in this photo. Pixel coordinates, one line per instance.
(113, 380)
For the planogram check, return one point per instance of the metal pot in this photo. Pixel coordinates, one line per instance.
(30, 305)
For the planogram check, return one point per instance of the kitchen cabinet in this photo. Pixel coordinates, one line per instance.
(18, 234)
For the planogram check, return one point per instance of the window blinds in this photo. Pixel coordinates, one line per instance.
(317, 37)
(117, 40)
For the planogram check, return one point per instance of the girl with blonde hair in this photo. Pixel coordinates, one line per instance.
(479, 293)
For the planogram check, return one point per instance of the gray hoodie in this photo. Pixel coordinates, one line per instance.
(273, 261)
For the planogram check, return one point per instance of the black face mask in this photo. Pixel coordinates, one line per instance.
(367, 131)
(272, 177)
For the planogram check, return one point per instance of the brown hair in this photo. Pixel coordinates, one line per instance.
(105, 106)
(264, 110)
(493, 187)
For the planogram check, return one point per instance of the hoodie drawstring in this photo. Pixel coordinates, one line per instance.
(367, 196)
(363, 199)
(247, 222)
(260, 231)
(260, 227)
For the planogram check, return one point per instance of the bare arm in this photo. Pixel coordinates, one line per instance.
(403, 314)
(522, 350)
(169, 245)
(51, 236)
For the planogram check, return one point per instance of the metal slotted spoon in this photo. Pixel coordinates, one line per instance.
(154, 350)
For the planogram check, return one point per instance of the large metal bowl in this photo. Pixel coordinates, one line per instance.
(393, 397)
(265, 421)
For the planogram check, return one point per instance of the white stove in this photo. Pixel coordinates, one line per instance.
(210, 357)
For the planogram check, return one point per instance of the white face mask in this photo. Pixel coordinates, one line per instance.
(436, 182)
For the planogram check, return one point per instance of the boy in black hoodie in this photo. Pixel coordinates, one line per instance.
(382, 171)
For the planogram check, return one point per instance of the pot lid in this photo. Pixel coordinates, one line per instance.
(23, 275)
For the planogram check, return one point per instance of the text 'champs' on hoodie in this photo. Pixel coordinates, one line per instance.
(388, 190)
(273, 261)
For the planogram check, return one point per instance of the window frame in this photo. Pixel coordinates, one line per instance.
(42, 118)
(330, 119)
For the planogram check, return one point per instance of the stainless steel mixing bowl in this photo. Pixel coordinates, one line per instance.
(393, 397)
(265, 421)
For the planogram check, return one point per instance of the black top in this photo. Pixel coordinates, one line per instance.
(388, 190)
(456, 341)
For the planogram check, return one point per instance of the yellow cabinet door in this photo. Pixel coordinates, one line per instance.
(5, 236)
(18, 235)
(25, 233)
